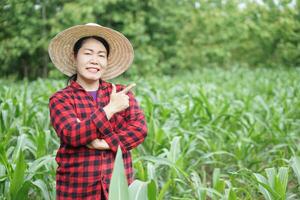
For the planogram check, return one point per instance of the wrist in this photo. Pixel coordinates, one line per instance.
(109, 111)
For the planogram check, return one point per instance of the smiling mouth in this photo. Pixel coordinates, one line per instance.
(93, 69)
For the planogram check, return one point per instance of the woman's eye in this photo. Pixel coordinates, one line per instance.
(102, 56)
(87, 53)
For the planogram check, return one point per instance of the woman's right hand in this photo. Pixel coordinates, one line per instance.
(99, 144)
(118, 101)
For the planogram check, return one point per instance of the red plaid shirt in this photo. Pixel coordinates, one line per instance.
(83, 173)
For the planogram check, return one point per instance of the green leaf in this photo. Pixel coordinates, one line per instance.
(163, 161)
(295, 163)
(271, 174)
(4, 161)
(22, 143)
(37, 164)
(197, 184)
(40, 184)
(18, 175)
(278, 187)
(151, 171)
(138, 190)
(216, 177)
(23, 191)
(174, 152)
(283, 173)
(266, 188)
(164, 189)
(152, 190)
(231, 195)
(261, 179)
(118, 189)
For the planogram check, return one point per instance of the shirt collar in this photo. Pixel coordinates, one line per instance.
(77, 86)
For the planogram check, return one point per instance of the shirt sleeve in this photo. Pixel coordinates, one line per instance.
(67, 126)
(131, 134)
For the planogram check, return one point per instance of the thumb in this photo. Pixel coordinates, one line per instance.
(113, 89)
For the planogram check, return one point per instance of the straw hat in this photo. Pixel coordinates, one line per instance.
(120, 49)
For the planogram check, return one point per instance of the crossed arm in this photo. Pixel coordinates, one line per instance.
(87, 132)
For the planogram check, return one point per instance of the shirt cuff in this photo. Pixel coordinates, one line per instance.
(103, 125)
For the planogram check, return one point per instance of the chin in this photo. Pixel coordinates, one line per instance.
(93, 77)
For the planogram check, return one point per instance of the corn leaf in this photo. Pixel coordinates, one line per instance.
(118, 189)
(138, 190)
(152, 190)
(295, 163)
(18, 176)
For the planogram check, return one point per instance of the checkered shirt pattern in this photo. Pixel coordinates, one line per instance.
(84, 173)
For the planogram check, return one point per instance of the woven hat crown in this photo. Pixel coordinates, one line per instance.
(61, 49)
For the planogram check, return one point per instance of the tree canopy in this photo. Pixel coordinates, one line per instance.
(168, 36)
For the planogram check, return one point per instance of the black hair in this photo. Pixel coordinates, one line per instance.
(79, 44)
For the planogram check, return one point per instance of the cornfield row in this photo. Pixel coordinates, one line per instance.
(215, 134)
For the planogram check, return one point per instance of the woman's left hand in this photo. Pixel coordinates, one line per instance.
(99, 144)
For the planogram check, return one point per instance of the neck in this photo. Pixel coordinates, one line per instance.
(88, 85)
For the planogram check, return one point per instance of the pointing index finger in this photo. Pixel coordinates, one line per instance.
(128, 88)
(114, 88)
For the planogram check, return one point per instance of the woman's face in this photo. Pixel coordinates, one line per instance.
(91, 60)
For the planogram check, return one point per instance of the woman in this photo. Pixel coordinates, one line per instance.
(93, 117)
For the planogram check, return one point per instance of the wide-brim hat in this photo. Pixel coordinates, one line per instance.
(120, 49)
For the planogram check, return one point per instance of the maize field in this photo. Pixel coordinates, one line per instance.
(216, 134)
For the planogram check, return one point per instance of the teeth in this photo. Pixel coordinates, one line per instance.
(92, 69)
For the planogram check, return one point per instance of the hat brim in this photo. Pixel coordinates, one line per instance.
(120, 53)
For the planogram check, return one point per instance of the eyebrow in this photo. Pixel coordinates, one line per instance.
(93, 50)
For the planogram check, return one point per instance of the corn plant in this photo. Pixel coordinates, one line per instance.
(238, 120)
(218, 189)
(119, 190)
(17, 179)
(295, 164)
(274, 185)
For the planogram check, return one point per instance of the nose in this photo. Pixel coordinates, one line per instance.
(94, 60)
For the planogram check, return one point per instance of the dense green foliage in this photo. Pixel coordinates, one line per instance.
(168, 36)
(218, 133)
